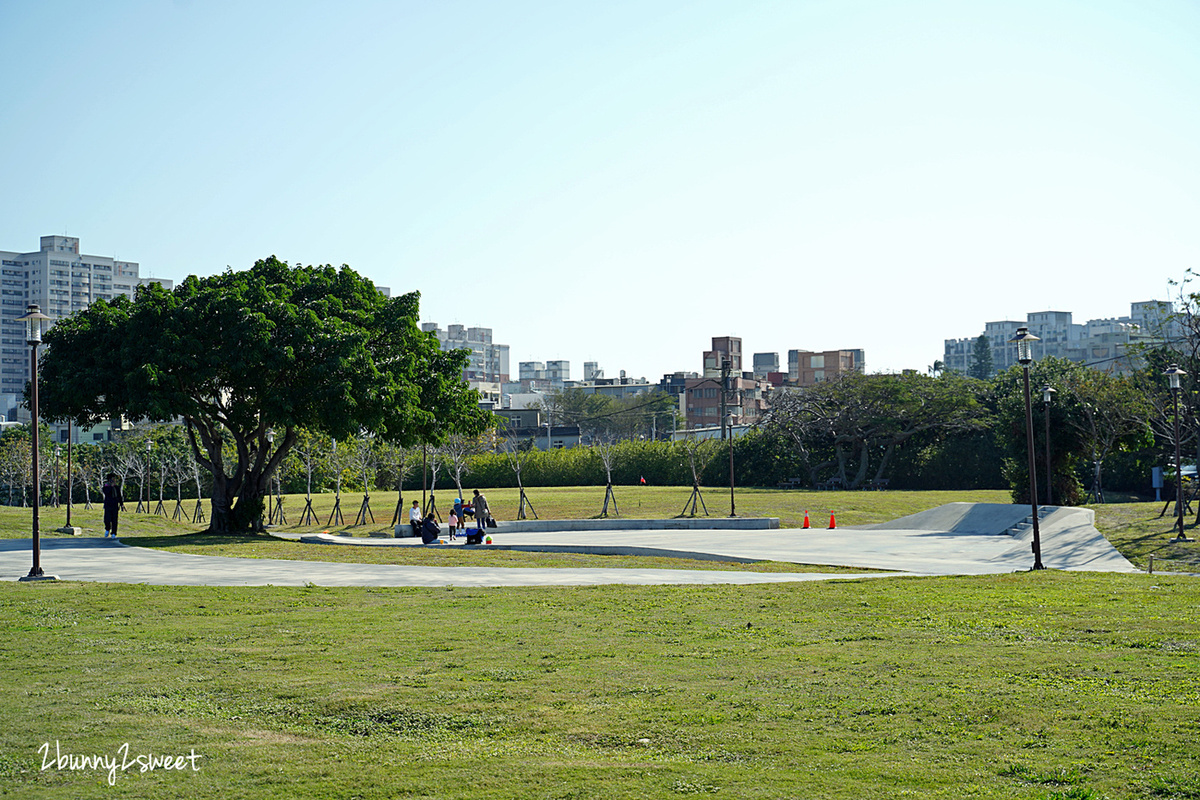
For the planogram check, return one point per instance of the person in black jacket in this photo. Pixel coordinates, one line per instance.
(429, 530)
(112, 505)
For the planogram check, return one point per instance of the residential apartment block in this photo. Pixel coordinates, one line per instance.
(489, 361)
(723, 347)
(704, 396)
(806, 368)
(746, 401)
(765, 364)
(549, 373)
(1102, 343)
(61, 281)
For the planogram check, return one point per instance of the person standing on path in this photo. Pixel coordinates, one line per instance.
(482, 512)
(112, 505)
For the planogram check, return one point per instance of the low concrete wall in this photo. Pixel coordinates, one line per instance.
(621, 524)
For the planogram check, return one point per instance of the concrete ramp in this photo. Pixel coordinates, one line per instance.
(984, 518)
(1069, 537)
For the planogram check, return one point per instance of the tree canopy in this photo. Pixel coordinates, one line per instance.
(857, 421)
(272, 348)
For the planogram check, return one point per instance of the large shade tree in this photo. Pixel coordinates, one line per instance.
(853, 424)
(274, 347)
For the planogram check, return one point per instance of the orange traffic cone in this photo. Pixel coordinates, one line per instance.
(806, 525)
(832, 521)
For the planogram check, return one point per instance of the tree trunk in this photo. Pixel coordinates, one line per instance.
(241, 513)
(864, 462)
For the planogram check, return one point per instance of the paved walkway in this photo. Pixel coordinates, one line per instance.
(957, 539)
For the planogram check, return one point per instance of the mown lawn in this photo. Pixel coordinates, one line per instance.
(1138, 531)
(1047, 685)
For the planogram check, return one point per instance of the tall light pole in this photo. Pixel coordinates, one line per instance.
(270, 510)
(732, 511)
(33, 319)
(70, 474)
(1024, 340)
(726, 367)
(54, 499)
(1174, 373)
(1048, 393)
(149, 447)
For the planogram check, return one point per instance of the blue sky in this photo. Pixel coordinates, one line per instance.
(621, 181)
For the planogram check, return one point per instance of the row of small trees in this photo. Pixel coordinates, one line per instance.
(152, 467)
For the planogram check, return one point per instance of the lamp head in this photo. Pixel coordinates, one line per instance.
(1174, 373)
(1023, 339)
(1048, 393)
(32, 318)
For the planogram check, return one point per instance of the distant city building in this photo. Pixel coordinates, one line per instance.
(746, 401)
(517, 425)
(723, 348)
(806, 368)
(1102, 343)
(547, 373)
(765, 364)
(675, 383)
(704, 396)
(60, 281)
(489, 361)
(619, 388)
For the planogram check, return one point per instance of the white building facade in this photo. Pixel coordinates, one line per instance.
(61, 281)
(489, 361)
(1100, 343)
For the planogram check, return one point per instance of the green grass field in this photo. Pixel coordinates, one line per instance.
(1030, 685)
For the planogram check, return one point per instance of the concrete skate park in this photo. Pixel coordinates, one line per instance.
(954, 539)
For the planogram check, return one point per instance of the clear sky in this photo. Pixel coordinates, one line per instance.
(621, 181)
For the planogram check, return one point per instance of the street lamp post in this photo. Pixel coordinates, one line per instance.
(33, 318)
(270, 510)
(149, 447)
(732, 510)
(1174, 373)
(1048, 393)
(1024, 340)
(70, 474)
(54, 499)
(69, 529)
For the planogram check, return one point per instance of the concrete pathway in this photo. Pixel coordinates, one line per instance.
(957, 539)
(94, 559)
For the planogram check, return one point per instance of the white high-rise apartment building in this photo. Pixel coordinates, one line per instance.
(489, 361)
(60, 281)
(1101, 343)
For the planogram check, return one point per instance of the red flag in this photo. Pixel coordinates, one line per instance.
(643, 480)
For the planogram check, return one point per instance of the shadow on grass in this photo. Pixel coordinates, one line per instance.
(200, 539)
